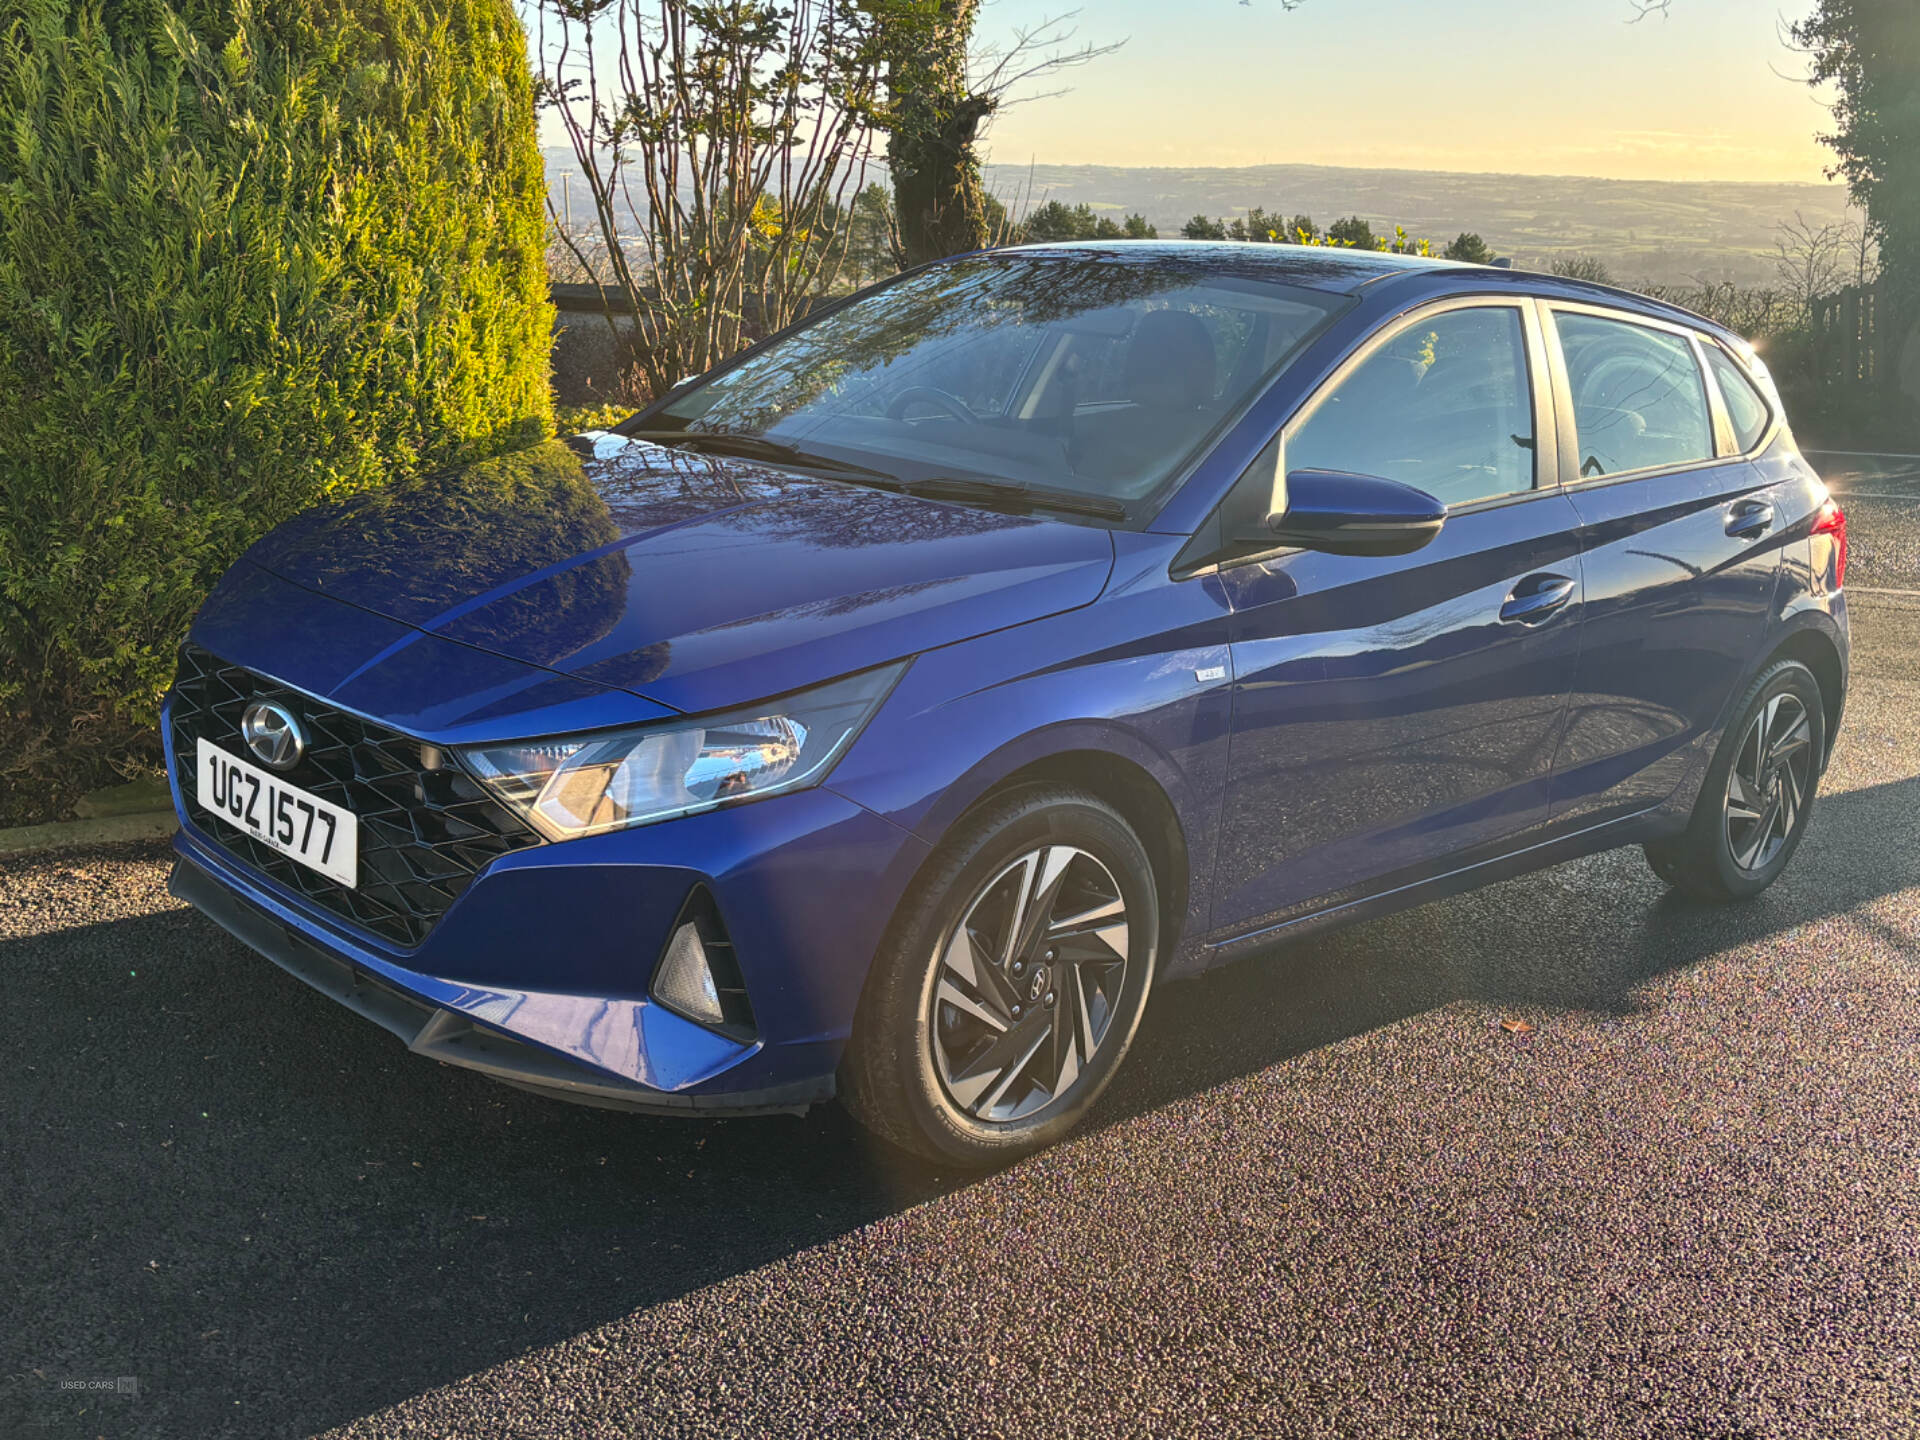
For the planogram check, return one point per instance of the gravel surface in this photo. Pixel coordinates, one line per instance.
(1882, 501)
(1330, 1195)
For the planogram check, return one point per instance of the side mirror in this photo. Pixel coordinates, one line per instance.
(1354, 515)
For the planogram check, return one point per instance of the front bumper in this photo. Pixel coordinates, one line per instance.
(449, 1035)
(538, 974)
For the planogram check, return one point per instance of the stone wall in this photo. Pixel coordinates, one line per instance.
(589, 356)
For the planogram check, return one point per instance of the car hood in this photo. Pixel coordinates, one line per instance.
(696, 582)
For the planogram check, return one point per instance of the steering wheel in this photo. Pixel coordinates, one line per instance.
(952, 404)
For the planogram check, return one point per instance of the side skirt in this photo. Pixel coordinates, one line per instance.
(1609, 835)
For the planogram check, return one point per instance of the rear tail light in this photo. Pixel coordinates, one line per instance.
(1832, 520)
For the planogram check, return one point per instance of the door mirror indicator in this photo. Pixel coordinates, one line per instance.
(1353, 515)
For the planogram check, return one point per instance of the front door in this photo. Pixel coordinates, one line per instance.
(1394, 718)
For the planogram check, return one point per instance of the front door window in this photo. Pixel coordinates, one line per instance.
(1444, 406)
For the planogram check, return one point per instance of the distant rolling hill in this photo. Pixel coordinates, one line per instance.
(1657, 231)
(1671, 232)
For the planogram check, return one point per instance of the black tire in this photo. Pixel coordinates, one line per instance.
(894, 1078)
(1701, 861)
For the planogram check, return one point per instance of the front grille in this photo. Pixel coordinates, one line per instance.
(424, 834)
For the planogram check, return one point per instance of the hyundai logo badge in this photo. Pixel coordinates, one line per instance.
(273, 735)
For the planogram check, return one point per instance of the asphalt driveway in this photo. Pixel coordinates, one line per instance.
(1332, 1195)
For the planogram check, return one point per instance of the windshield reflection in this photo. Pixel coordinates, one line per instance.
(1094, 373)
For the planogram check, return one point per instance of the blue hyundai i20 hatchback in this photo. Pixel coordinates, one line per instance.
(888, 712)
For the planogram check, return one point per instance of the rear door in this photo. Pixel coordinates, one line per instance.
(1680, 542)
(1395, 717)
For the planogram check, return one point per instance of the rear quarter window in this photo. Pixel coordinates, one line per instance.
(1746, 407)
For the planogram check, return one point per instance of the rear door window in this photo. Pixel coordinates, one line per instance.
(1639, 400)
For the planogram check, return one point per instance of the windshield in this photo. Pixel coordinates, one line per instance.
(1082, 374)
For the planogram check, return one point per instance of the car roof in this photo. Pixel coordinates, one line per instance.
(1332, 268)
(1338, 270)
(1615, 298)
(1342, 271)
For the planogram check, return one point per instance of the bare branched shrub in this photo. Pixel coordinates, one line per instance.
(1745, 310)
(721, 145)
(1810, 259)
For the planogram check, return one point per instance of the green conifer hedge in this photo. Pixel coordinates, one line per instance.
(251, 255)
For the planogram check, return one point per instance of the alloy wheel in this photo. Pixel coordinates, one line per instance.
(1028, 983)
(1769, 783)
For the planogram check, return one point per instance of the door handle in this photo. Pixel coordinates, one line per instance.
(1750, 519)
(1537, 598)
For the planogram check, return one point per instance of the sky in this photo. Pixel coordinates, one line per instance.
(1564, 87)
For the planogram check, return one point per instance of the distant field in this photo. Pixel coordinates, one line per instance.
(1668, 232)
(1662, 231)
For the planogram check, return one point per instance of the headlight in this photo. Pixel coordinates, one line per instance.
(582, 785)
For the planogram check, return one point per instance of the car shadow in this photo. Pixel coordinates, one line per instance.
(278, 1220)
(1582, 936)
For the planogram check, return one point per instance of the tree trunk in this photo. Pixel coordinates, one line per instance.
(938, 202)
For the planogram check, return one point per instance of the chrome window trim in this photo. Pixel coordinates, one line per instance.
(1627, 317)
(1595, 482)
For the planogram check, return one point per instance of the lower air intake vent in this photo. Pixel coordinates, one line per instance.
(697, 976)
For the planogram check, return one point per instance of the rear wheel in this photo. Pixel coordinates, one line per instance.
(1758, 795)
(1012, 982)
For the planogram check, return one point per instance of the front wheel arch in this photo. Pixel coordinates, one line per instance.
(1141, 801)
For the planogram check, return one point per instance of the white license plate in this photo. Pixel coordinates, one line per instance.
(293, 821)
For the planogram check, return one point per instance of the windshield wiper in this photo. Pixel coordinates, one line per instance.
(757, 447)
(1006, 492)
